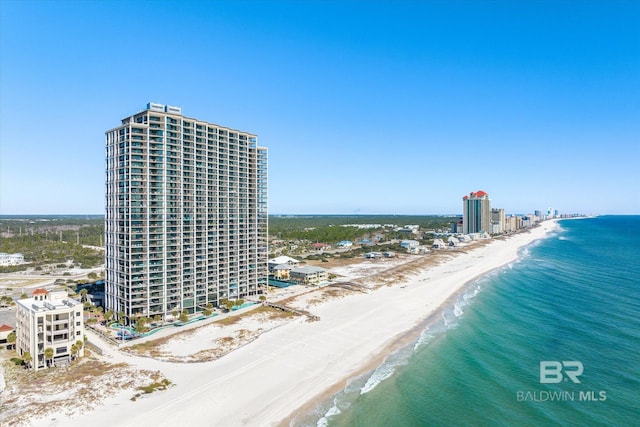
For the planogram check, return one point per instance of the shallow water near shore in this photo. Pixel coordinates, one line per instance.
(574, 296)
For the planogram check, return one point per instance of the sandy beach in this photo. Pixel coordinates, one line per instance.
(290, 367)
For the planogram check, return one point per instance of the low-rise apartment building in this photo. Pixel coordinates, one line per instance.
(49, 319)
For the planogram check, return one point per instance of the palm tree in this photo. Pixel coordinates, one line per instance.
(27, 358)
(121, 318)
(140, 325)
(48, 355)
(184, 316)
(108, 316)
(157, 318)
(11, 339)
(83, 295)
(74, 351)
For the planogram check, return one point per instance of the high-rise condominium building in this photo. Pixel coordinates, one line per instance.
(186, 214)
(497, 221)
(476, 213)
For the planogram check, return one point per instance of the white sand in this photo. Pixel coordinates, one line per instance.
(368, 267)
(268, 380)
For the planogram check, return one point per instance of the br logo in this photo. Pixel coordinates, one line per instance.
(551, 371)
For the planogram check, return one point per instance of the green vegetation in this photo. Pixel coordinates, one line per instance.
(329, 228)
(11, 338)
(6, 301)
(52, 240)
(162, 385)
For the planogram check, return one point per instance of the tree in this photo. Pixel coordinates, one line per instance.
(141, 325)
(92, 276)
(174, 313)
(48, 355)
(229, 304)
(184, 316)
(206, 312)
(27, 358)
(108, 316)
(11, 339)
(74, 351)
(24, 296)
(157, 318)
(121, 317)
(262, 298)
(83, 295)
(79, 344)
(240, 302)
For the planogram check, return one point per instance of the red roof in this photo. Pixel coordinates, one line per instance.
(481, 193)
(40, 291)
(5, 328)
(465, 198)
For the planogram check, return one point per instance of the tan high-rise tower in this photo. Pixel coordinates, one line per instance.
(476, 213)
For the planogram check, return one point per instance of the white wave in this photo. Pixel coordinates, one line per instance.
(334, 410)
(385, 370)
(380, 374)
(457, 311)
(425, 337)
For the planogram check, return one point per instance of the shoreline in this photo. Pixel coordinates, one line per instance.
(402, 340)
(289, 370)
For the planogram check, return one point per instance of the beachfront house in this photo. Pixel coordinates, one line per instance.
(418, 250)
(438, 244)
(321, 247)
(409, 244)
(282, 261)
(281, 271)
(309, 275)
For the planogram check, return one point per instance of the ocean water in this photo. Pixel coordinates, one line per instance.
(573, 297)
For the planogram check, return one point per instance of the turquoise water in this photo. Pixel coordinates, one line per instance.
(574, 297)
(244, 305)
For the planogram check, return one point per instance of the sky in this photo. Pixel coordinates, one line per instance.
(366, 107)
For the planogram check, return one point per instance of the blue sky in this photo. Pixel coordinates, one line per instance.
(395, 107)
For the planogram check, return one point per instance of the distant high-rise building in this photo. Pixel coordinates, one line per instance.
(497, 221)
(476, 213)
(186, 214)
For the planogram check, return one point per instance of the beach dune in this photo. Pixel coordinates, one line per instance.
(293, 366)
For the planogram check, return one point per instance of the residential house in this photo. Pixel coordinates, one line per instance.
(5, 330)
(309, 275)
